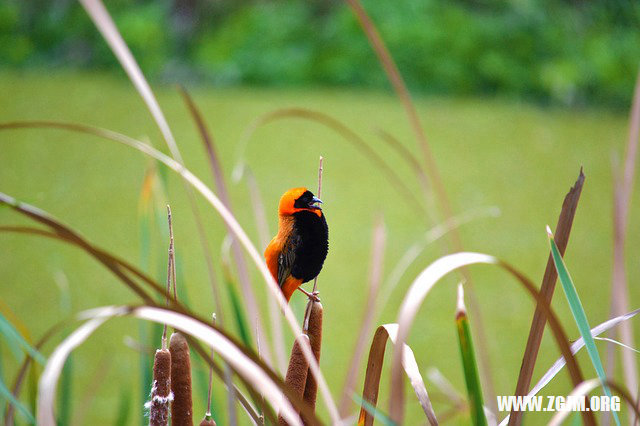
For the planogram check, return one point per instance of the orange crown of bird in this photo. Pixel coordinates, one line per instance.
(297, 252)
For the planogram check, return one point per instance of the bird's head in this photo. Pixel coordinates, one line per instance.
(297, 200)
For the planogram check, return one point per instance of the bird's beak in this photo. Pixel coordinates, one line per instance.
(314, 201)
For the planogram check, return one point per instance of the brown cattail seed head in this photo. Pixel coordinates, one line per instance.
(182, 406)
(315, 338)
(297, 372)
(161, 391)
(206, 422)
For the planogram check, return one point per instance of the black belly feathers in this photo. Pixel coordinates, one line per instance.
(310, 244)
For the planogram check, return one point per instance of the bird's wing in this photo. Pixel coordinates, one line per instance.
(286, 259)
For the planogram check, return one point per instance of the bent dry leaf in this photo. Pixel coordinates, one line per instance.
(241, 363)
(579, 315)
(103, 21)
(226, 216)
(575, 347)
(374, 370)
(583, 390)
(623, 189)
(425, 282)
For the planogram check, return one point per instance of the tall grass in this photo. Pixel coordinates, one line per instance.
(243, 361)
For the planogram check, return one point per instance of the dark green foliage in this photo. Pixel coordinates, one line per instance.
(564, 52)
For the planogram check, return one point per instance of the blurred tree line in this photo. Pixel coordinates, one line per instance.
(572, 52)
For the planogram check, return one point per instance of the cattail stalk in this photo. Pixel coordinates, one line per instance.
(314, 331)
(320, 170)
(161, 394)
(298, 370)
(182, 405)
(170, 264)
(208, 420)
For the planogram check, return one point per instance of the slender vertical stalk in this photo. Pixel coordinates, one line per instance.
(471, 376)
(307, 313)
(208, 420)
(563, 230)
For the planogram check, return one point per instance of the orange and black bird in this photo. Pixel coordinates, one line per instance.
(296, 254)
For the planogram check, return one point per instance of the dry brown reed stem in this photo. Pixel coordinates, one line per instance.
(623, 190)
(64, 233)
(213, 200)
(238, 254)
(314, 331)
(205, 135)
(399, 86)
(375, 278)
(307, 312)
(263, 234)
(210, 388)
(319, 194)
(161, 391)
(181, 406)
(563, 229)
(105, 25)
(169, 273)
(298, 370)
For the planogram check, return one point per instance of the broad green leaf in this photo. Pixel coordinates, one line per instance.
(579, 315)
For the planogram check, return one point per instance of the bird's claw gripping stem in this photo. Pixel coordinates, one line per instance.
(312, 296)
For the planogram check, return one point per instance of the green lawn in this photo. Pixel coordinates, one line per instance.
(518, 157)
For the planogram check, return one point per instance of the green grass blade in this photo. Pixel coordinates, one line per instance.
(240, 317)
(471, 376)
(65, 389)
(579, 315)
(374, 411)
(13, 336)
(6, 394)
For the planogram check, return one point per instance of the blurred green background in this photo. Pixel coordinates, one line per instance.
(514, 96)
(561, 51)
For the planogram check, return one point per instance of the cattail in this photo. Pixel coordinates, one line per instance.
(314, 331)
(181, 406)
(297, 372)
(207, 422)
(161, 391)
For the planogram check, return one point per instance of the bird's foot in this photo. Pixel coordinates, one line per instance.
(312, 296)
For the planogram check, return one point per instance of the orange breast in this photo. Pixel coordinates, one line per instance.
(271, 254)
